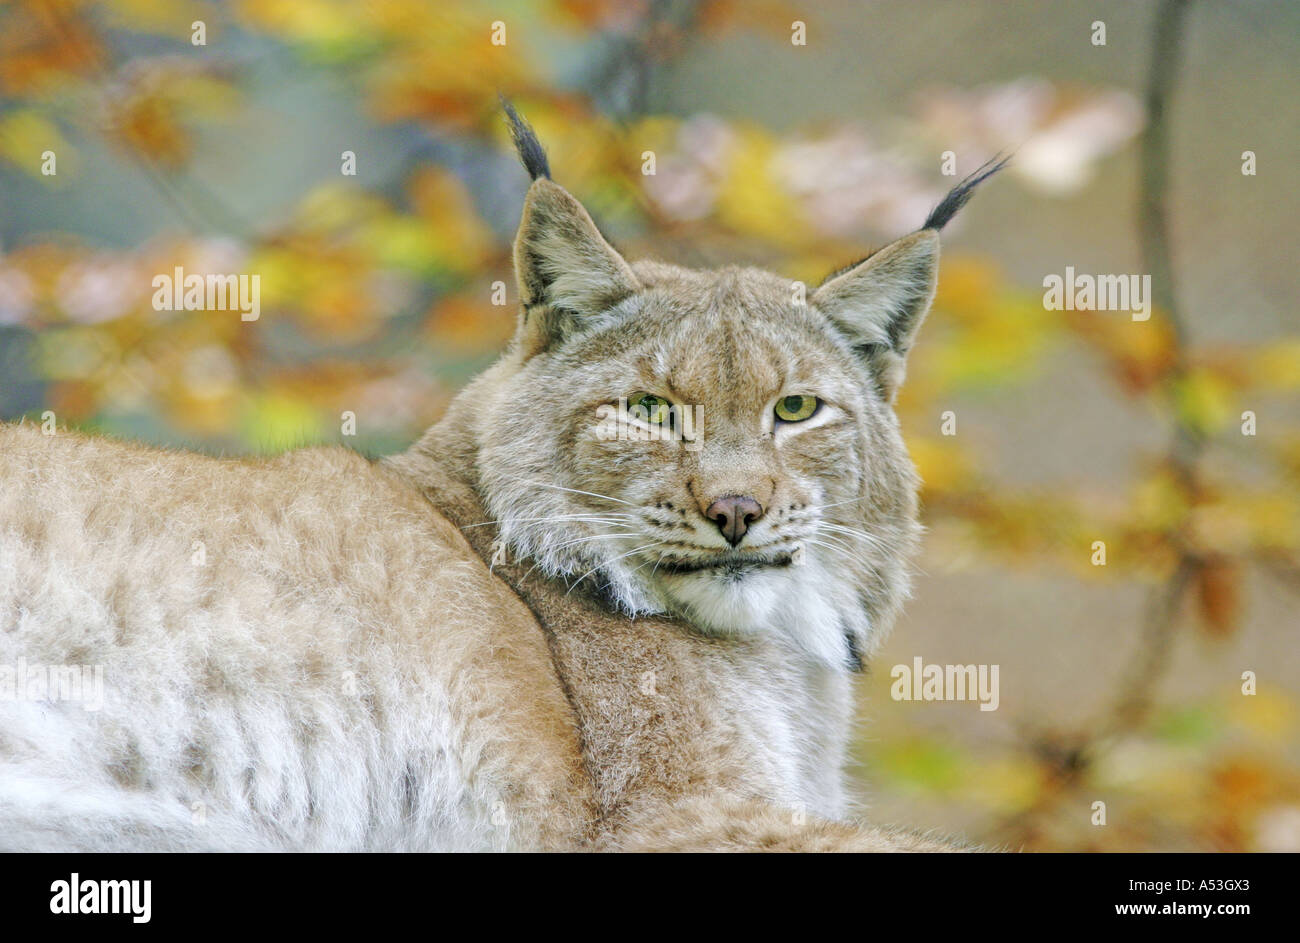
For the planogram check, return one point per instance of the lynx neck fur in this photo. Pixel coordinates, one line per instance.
(614, 599)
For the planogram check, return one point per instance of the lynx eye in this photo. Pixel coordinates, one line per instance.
(656, 407)
(796, 408)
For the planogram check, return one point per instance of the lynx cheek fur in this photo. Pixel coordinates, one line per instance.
(548, 625)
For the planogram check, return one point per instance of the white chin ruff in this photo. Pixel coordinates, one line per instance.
(795, 604)
(802, 605)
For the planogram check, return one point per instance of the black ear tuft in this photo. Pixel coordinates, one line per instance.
(526, 143)
(959, 194)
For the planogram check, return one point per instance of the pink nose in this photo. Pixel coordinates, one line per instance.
(733, 513)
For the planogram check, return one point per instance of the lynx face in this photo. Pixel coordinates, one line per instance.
(763, 486)
(700, 443)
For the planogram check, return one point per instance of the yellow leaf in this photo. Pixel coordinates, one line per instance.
(941, 464)
(25, 135)
(750, 199)
(1277, 366)
(315, 22)
(277, 421)
(166, 17)
(1160, 501)
(1004, 785)
(457, 237)
(1268, 714)
(1203, 400)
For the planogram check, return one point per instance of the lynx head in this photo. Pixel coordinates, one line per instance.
(705, 442)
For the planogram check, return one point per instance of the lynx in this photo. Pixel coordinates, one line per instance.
(530, 630)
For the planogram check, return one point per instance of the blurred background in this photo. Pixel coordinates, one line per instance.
(1120, 683)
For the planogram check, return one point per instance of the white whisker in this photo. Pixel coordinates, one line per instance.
(605, 563)
(590, 494)
(841, 551)
(853, 532)
(579, 540)
(590, 518)
(834, 504)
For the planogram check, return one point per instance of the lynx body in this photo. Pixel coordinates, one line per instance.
(528, 631)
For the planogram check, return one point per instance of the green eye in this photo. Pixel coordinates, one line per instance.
(656, 407)
(796, 408)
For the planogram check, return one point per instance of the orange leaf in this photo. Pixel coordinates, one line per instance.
(1218, 588)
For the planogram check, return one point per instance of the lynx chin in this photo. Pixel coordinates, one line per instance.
(524, 632)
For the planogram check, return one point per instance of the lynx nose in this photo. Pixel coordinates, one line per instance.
(733, 513)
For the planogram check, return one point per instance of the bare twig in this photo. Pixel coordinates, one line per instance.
(1152, 201)
(1134, 702)
(1132, 705)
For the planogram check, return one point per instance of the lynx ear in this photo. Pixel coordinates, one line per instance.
(565, 269)
(561, 259)
(881, 301)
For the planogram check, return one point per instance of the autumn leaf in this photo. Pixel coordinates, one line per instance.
(274, 422)
(749, 198)
(1218, 593)
(1203, 401)
(25, 136)
(1277, 365)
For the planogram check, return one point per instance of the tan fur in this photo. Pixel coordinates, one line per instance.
(708, 823)
(333, 600)
(496, 639)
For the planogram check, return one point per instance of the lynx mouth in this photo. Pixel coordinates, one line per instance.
(731, 565)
